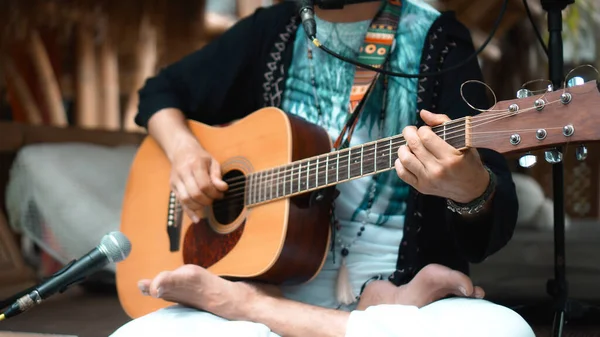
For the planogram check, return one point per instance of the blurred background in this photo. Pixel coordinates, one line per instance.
(69, 75)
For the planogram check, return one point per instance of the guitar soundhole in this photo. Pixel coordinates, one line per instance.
(228, 209)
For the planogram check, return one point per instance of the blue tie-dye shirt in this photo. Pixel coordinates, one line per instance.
(375, 252)
(334, 79)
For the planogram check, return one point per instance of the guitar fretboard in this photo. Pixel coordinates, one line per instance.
(336, 167)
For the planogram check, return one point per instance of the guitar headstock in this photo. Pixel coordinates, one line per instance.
(564, 116)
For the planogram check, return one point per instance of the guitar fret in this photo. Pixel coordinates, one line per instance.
(263, 190)
(249, 190)
(254, 177)
(256, 188)
(390, 154)
(375, 156)
(277, 183)
(349, 161)
(337, 168)
(444, 138)
(271, 183)
(355, 162)
(362, 151)
(327, 171)
(381, 161)
(307, 173)
(282, 179)
(258, 181)
(317, 173)
(291, 188)
(368, 160)
(299, 176)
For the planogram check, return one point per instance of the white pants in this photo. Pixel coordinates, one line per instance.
(450, 317)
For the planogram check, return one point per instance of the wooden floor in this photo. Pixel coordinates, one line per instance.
(76, 312)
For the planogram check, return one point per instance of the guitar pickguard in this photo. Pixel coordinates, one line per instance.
(204, 247)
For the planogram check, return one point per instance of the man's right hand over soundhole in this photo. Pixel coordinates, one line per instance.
(195, 177)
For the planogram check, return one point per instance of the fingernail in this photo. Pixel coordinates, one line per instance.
(463, 290)
(159, 292)
(143, 289)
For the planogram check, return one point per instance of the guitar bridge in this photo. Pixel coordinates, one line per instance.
(174, 223)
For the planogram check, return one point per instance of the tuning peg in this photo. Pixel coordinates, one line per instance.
(575, 81)
(527, 161)
(581, 152)
(553, 156)
(522, 93)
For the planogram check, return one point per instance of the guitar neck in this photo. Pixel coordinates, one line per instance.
(338, 166)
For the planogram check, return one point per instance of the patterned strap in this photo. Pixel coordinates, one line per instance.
(374, 52)
(375, 49)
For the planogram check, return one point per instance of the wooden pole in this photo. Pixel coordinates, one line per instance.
(146, 57)
(47, 80)
(22, 92)
(109, 79)
(86, 86)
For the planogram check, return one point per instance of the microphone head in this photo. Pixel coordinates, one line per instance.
(116, 246)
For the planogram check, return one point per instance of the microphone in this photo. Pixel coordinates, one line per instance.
(114, 247)
(307, 15)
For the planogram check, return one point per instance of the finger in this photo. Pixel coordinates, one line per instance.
(404, 174)
(435, 145)
(194, 216)
(410, 162)
(216, 176)
(206, 185)
(186, 200)
(432, 119)
(196, 190)
(415, 144)
(144, 286)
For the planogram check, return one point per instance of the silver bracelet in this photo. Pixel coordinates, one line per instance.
(476, 205)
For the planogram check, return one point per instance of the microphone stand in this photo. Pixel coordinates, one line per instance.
(557, 287)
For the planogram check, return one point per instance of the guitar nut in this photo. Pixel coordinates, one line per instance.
(515, 139)
(541, 134)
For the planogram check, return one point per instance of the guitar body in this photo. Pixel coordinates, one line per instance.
(284, 241)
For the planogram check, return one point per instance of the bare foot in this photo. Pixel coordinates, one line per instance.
(196, 287)
(430, 284)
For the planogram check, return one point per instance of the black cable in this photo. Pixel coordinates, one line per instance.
(537, 32)
(307, 17)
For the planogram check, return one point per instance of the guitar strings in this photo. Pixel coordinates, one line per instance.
(458, 132)
(273, 179)
(266, 192)
(268, 177)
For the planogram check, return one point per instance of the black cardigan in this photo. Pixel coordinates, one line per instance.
(245, 69)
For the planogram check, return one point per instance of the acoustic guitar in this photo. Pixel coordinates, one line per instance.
(273, 223)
